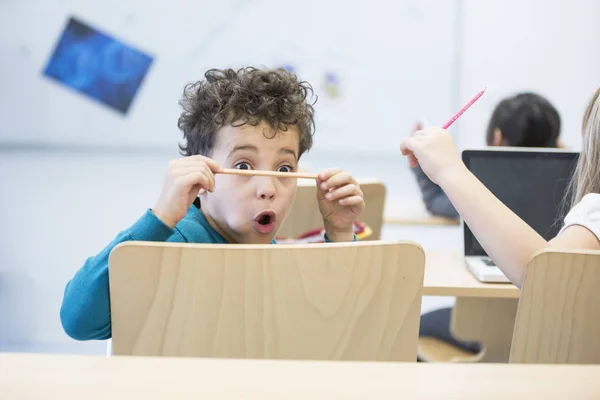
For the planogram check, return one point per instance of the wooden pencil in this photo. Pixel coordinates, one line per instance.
(256, 172)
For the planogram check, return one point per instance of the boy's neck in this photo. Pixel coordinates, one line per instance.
(213, 224)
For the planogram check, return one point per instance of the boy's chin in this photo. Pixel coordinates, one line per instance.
(261, 240)
(256, 238)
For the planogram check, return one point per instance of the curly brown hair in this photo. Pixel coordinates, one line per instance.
(246, 96)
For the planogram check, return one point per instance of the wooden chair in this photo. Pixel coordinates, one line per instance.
(334, 301)
(489, 321)
(558, 319)
(305, 216)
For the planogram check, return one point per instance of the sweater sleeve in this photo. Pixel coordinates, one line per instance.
(436, 201)
(85, 310)
(355, 239)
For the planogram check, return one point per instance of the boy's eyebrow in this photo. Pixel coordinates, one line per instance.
(287, 150)
(284, 150)
(243, 147)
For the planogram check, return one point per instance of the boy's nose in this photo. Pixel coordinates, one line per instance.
(266, 187)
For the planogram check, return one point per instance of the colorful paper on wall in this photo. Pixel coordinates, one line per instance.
(98, 65)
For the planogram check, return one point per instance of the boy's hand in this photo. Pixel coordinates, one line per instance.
(340, 202)
(434, 150)
(183, 181)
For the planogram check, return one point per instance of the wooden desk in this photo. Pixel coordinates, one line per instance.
(447, 275)
(412, 213)
(484, 312)
(432, 220)
(36, 376)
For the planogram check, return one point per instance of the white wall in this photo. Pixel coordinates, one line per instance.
(372, 53)
(59, 206)
(547, 46)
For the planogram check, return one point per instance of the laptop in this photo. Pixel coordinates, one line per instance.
(531, 182)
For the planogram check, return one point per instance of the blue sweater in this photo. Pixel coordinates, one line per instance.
(85, 310)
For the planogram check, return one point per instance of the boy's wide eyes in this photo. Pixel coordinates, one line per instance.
(242, 165)
(245, 165)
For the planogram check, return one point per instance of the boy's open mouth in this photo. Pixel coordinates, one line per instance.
(264, 222)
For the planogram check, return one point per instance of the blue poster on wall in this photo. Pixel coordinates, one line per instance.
(98, 65)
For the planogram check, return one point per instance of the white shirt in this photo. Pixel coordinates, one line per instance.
(585, 213)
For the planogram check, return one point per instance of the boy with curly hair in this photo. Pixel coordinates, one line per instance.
(245, 119)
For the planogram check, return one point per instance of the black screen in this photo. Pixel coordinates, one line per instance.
(531, 183)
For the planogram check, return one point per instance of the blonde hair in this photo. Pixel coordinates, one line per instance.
(586, 178)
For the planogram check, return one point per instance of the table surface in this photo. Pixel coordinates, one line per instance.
(25, 376)
(447, 275)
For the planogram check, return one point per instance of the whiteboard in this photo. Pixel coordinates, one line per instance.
(393, 62)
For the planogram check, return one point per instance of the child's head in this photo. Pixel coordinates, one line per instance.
(248, 119)
(586, 178)
(524, 120)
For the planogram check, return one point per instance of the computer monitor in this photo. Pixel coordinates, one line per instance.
(531, 182)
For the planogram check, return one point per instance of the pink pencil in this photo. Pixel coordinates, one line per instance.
(465, 108)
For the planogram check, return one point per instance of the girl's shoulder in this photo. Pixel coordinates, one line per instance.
(586, 213)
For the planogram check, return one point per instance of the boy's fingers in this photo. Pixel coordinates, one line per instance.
(344, 191)
(204, 177)
(198, 159)
(351, 201)
(338, 180)
(213, 165)
(192, 170)
(328, 173)
(188, 169)
(211, 178)
(192, 179)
